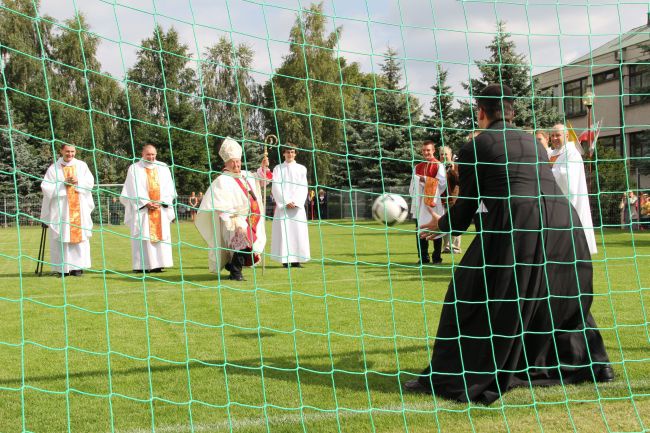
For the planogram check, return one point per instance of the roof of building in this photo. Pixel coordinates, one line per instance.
(635, 36)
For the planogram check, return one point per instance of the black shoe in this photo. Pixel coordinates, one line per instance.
(157, 270)
(59, 274)
(76, 273)
(436, 261)
(285, 265)
(236, 277)
(606, 374)
(138, 271)
(296, 265)
(416, 387)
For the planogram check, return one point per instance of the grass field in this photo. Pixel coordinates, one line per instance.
(319, 349)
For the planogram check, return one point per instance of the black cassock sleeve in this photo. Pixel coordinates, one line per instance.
(460, 215)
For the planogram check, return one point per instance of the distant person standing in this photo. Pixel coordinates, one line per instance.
(67, 205)
(322, 204)
(311, 205)
(193, 203)
(542, 138)
(630, 210)
(450, 242)
(148, 197)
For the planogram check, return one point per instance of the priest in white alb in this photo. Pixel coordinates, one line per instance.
(230, 217)
(290, 241)
(569, 172)
(148, 197)
(67, 205)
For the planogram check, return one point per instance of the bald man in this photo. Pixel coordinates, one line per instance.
(148, 197)
(569, 172)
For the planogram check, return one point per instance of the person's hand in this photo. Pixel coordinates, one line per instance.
(72, 180)
(427, 230)
(152, 206)
(291, 205)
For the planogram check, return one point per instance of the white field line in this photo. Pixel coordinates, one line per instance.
(287, 419)
(295, 417)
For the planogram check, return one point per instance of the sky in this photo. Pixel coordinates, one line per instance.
(452, 33)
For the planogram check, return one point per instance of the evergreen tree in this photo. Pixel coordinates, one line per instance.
(303, 97)
(441, 125)
(25, 47)
(388, 141)
(164, 109)
(505, 65)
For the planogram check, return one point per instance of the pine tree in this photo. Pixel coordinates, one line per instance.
(388, 141)
(441, 125)
(505, 65)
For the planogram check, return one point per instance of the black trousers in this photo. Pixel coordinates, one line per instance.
(423, 248)
(237, 263)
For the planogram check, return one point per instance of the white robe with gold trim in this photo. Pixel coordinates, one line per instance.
(224, 208)
(135, 195)
(65, 256)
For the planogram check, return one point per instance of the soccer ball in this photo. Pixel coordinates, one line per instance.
(390, 209)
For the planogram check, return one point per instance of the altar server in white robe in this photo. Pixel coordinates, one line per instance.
(230, 217)
(67, 205)
(148, 197)
(290, 241)
(569, 171)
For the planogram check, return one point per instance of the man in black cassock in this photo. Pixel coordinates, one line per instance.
(516, 312)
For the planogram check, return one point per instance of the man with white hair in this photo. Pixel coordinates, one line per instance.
(67, 205)
(230, 217)
(148, 197)
(569, 172)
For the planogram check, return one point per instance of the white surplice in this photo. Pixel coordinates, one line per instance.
(66, 256)
(290, 241)
(569, 172)
(135, 195)
(224, 208)
(420, 211)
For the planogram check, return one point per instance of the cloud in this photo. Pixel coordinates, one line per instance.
(426, 33)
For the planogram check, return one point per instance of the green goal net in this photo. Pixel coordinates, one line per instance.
(356, 86)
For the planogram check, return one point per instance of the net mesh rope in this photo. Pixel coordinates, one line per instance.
(328, 347)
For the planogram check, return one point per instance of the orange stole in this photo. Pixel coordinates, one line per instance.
(155, 215)
(554, 158)
(429, 170)
(74, 207)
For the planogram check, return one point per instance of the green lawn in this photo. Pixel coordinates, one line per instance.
(318, 349)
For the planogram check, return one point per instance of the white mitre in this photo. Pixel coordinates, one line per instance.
(230, 149)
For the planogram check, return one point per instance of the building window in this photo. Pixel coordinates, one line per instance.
(640, 151)
(606, 76)
(549, 98)
(573, 92)
(639, 83)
